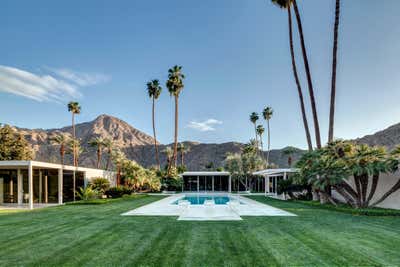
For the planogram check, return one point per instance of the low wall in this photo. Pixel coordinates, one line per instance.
(386, 181)
(90, 174)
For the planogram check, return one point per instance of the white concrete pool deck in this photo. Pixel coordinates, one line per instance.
(247, 207)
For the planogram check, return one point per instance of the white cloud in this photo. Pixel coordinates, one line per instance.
(204, 126)
(43, 87)
(81, 78)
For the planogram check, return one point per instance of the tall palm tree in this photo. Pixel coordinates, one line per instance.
(334, 62)
(154, 90)
(267, 114)
(74, 108)
(183, 150)
(98, 143)
(284, 4)
(260, 132)
(108, 143)
(289, 151)
(175, 86)
(308, 74)
(254, 118)
(119, 158)
(169, 152)
(62, 140)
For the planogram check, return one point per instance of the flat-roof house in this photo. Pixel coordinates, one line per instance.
(35, 183)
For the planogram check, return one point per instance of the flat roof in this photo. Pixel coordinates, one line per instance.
(205, 173)
(275, 171)
(39, 164)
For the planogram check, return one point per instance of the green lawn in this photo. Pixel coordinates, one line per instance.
(96, 235)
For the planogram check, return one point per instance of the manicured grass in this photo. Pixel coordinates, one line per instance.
(96, 235)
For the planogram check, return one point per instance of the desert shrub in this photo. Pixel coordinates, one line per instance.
(171, 184)
(118, 191)
(100, 184)
(87, 193)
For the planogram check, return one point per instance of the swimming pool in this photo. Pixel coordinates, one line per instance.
(200, 199)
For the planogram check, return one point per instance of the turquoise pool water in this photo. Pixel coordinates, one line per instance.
(199, 199)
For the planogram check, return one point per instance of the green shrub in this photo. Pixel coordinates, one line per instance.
(87, 193)
(100, 184)
(118, 191)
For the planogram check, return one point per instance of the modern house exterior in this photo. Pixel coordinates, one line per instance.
(35, 183)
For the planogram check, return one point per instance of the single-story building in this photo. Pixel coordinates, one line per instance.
(206, 182)
(40, 183)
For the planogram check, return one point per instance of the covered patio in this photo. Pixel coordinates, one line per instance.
(272, 177)
(34, 184)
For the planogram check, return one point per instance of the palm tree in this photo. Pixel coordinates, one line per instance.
(333, 82)
(175, 86)
(154, 91)
(260, 132)
(254, 118)
(183, 150)
(119, 158)
(99, 143)
(169, 152)
(108, 143)
(308, 74)
(285, 4)
(267, 114)
(74, 108)
(289, 151)
(61, 140)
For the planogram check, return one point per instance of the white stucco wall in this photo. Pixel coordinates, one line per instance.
(386, 181)
(90, 174)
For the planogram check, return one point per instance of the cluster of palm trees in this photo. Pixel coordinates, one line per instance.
(259, 130)
(287, 5)
(175, 86)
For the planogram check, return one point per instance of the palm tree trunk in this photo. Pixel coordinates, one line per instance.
(334, 61)
(108, 159)
(176, 132)
(182, 158)
(308, 73)
(374, 185)
(296, 77)
(255, 132)
(98, 157)
(73, 156)
(154, 134)
(269, 141)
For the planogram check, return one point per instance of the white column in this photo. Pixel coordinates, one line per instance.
(265, 186)
(30, 184)
(12, 189)
(198, 184)
(40, 186)
(20, 186)
(212, 182)
(230, 185)
(46, 189)
(60, 186)
(284, 176)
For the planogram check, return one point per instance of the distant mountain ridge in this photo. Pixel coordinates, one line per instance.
(139, 146)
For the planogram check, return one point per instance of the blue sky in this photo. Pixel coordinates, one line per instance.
(234, 53)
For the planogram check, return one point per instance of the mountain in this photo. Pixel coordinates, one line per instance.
(135, 144)
(389, 137)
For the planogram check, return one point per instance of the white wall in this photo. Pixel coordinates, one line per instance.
(386, 181)
(90, 174)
